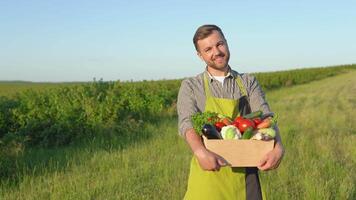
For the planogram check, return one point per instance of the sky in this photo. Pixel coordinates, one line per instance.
(59, 41)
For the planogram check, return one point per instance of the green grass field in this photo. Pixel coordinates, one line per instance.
(317, 126)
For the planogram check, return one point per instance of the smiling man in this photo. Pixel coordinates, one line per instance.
(222, 90)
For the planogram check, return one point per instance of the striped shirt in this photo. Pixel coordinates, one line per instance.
(191, 96)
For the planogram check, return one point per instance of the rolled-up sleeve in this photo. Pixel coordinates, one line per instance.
(186, 107)
(257, 96)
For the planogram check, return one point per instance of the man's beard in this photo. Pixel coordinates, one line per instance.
(216, 66)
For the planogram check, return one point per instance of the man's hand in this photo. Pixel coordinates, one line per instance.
(208, 160)
(272, 159)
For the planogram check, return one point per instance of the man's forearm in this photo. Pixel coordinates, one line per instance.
(194, 140)
(207, 160)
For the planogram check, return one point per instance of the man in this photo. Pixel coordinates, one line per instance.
(223, 90)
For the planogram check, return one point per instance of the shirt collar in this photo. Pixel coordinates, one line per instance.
(230, 74)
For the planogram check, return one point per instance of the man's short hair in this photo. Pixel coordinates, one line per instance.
(203, 32)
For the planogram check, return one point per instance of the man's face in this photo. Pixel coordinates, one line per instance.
(214, 51)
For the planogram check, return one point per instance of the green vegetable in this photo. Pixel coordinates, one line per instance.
(253, 115)
(268, 131)
(248, 134)
(199, 119)
(230, 132)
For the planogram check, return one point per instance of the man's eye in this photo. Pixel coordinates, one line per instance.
(207, 50)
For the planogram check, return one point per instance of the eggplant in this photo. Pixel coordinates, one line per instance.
(210, 132)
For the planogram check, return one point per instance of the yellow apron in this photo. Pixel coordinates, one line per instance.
(229, 182)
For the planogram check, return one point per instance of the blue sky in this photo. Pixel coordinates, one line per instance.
(79, 40)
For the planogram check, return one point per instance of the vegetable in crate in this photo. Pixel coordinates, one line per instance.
(264, 134)
(210, 132)
(268, 131)
(244, 124)
(230, 132)
(247, 134)
(253, 115)
(199, 119)
(257, 120)
(219, 125)
(267, 122)
(227, 121)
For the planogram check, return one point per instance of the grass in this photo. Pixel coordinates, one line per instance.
(152, 168)
(318, 129)
(317, 126)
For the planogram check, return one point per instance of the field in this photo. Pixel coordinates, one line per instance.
(148, 160)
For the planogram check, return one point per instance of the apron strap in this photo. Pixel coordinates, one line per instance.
(206, 87)
(238, 81)
(241, 85)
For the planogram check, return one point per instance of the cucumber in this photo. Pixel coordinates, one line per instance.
(253, 115)
(247, 134)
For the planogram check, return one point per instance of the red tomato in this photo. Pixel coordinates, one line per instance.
(238, 119)
(219, 125)
(236, 124)
(244, 124)
(257, 121)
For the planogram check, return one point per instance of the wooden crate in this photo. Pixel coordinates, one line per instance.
(240, 153)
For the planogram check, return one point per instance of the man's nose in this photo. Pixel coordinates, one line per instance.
(216, 51)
